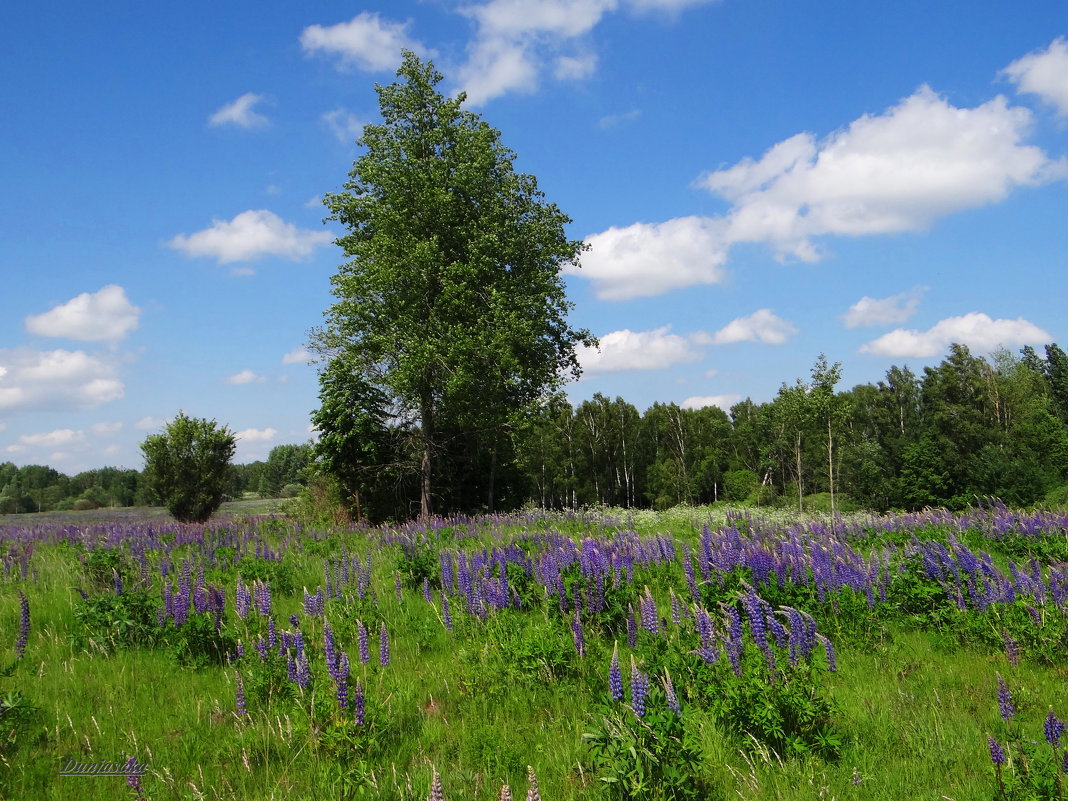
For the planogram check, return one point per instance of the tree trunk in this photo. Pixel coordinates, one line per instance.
(800, 494)
(492, 476)
(426, 506)
(830, 468)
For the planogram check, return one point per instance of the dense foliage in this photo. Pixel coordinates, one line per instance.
(450, 313)
(187, 466)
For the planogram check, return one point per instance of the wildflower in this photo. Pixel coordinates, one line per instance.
(436, 793)
(133, 777)
(383, 646)
(1012, 649)
(24, 625)
(832, 662)
(669, 692)
(445, 615)
(328, 644)
(1054, 729)
(615, 676)
(532, 794)
(426, 591)
(303, 671)
(506, 793)
(639, 688)
(359, 705)
(632, 627)
(1005, 700)
(578, 635)
(361, 636)
(997, 753)
(239, 692)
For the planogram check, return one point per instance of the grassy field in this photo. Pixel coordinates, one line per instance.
(757, 658)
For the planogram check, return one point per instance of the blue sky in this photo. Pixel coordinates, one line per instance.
(759, 182)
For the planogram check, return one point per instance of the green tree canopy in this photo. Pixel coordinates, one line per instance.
(451, 302)
(187, 466)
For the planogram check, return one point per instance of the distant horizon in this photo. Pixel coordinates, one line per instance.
(759, 183)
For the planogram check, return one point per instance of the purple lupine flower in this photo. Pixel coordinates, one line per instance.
(997, 753)
(1064, 764)
(24, 626)
(359, 704)
(669, 692)
(262, 596)
(1012, 649)
(383, 645)
(639, 688)
(243, 600)
(426, 591)
(615, 676)
(533, 794)
(436, 793)
(632, 627)
(1005, 705)
(240, 650)
(291, 667)
(294, 621)
(239, 693)
(329, 646)
(676, 610)
(133, 775)
(272, 634)
(341, 676)
(832, 662)
(578, 635)
(1054, 728)
(445, 615)
(397, 587)
(303, 672)
(361, 636)
(650, 614)
(117, 579)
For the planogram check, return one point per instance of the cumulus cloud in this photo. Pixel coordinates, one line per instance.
(56, 379)
(902, 170)
(245, 377)
(344, 125)
(53, 439)
(975, 329)
(724, 402)
(256, 435)
(1043, 73)
(898, 171)
(299, 355)
(149, 423)
(636, 350)
(240, 113)
(760, 326)
(651, 258)
(251, 235)
(575, 68)
(106, 315)
(366, 42)
(613, 120)
(868, 312)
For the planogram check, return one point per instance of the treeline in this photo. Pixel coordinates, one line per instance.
(36, 488)
(967, 429)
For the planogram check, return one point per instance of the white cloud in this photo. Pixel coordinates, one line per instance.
(106, 429)
(899, 171)
(366, 42)
(53, 439)
(575, 68)
(251, 235)
(760, 326)
(56, 379)
(650, 258)
(636, 350)
(516, 39)
(106, 315)
(299, 355)
(240, 112)
(671, 6)
(245, 377)
(1043, 73)
(725, 402)
(256, 435)
(345, 126)
(612, 120)
(868, 312)
(976, 330)
(149, 423)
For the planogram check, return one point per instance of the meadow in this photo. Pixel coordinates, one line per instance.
(704, 653)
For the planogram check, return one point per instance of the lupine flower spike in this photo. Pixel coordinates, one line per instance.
(24, 626)
(436, 793)
(239, 693)
(506, 793)
(532, 794)
(1005, 704)
(615, 676)
(1054, 729)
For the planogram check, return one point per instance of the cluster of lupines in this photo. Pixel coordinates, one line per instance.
(437, 792)
(1052, 727)
(193, 596)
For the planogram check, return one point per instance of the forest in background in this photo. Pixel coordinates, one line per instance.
(966, 429)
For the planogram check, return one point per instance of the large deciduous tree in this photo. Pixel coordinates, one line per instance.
(451, 301)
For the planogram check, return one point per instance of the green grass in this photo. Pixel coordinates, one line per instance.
(913, 704)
